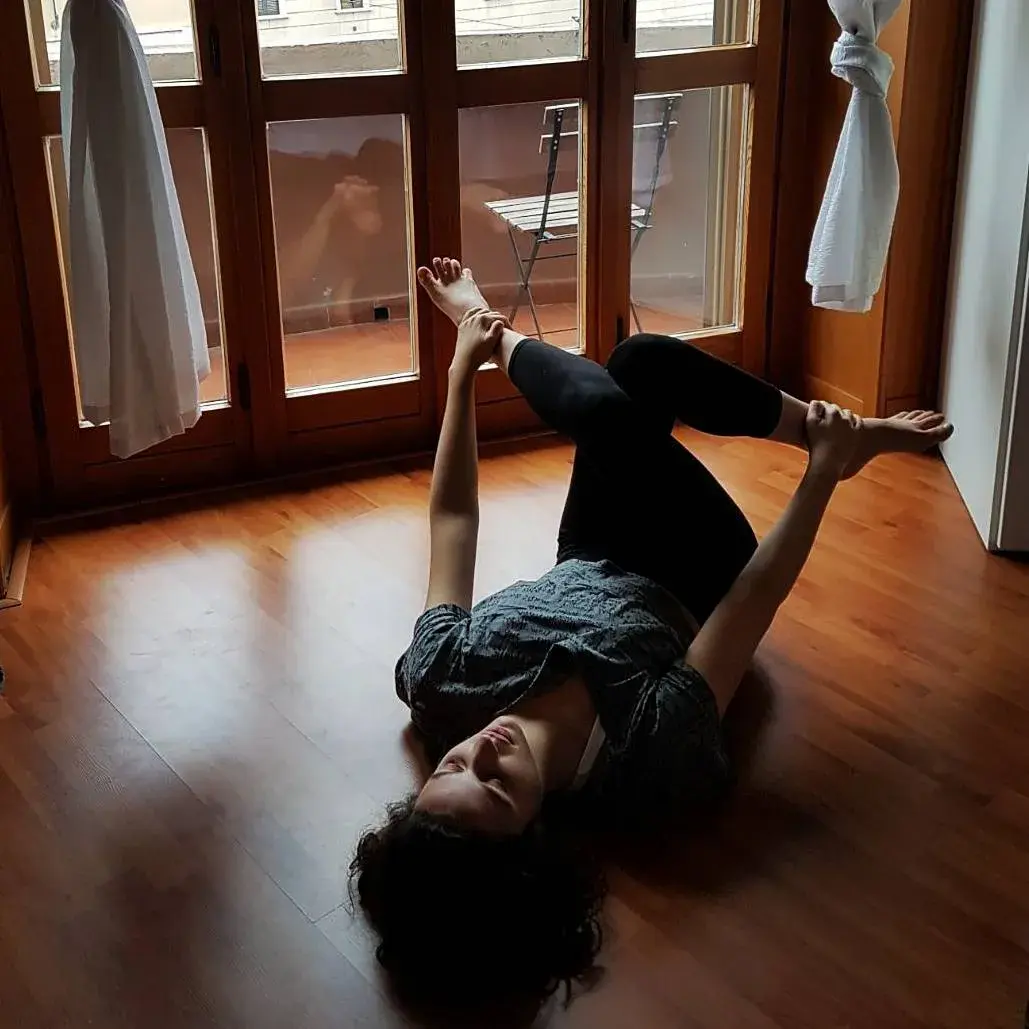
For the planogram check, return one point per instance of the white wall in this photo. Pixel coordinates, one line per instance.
(1013, 509)
(987, 290)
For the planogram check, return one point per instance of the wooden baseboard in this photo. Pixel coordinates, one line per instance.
(301, 479)
(19, 573)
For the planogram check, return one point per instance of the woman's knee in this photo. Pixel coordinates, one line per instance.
(640, 353)
(633, 347)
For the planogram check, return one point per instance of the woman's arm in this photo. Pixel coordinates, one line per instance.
(454, 496)
(303, 257)
(723, 649)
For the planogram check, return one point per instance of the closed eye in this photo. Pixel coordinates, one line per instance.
(448, 767)
(494, 786)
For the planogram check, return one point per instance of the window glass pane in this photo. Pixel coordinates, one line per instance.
(187, 149)
(688, 174)
(327, 37)
(165, 29)
(339, 200)
(518, 31)
(514, 226)
(669, 25)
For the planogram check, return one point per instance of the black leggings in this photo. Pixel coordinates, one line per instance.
(638, 497)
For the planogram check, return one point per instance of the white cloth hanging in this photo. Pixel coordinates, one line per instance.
(138, 327)
(852, 234)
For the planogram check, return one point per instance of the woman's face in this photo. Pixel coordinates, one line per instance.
(489, 782)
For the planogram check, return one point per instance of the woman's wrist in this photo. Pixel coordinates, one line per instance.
(462, 373)
(821, 473)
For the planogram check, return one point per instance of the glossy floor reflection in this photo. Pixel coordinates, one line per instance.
(199, 717)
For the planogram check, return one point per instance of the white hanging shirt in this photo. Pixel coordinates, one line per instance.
(138, 327)
(852, 234)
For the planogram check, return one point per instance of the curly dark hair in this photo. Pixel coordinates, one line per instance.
(464, 918)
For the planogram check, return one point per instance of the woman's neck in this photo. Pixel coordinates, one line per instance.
(557, 726)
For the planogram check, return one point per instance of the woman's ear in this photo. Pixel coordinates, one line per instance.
(419, 760)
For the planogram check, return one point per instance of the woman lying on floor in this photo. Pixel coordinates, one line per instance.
(603, 681)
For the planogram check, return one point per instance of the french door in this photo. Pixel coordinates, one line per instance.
(603, 169)
(369, 160)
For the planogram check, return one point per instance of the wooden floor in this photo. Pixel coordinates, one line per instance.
(199, 718)
(375, 349)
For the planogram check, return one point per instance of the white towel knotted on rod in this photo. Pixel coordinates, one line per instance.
(852, 234)
(137, 324)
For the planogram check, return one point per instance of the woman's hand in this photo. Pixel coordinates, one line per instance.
(832, 435)
(478, 336)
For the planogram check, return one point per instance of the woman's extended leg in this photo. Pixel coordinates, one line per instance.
(574, 396)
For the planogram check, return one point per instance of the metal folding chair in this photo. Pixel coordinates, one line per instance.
(539, 216)
(668, 105)
(554, 217)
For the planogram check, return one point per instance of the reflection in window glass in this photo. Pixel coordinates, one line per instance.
(520, 223)
(688, 175)
(339, 201)
(670, 25)
(328, 37)
(165, 29)
(518, 31)
(187, 149)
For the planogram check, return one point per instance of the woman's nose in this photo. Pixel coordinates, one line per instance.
(484, 757)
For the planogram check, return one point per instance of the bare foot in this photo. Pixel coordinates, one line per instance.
(451, 288)
(910, 432)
